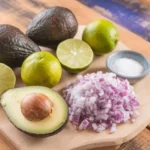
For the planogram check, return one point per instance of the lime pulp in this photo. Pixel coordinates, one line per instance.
(7, 78)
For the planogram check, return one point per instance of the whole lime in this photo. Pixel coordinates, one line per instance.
(101, 35)
(41, 68)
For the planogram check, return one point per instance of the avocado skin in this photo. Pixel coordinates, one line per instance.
(52, 26)
(15, 46)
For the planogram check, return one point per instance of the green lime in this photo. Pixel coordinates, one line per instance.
(41, 68)
(75, 55)
(7, 78)
(101, 35)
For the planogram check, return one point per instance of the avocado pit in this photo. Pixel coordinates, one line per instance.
(36, 106)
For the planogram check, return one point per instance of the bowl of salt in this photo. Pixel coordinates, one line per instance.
(128, 65)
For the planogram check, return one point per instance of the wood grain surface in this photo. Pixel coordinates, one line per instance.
(82, 140)
(20, 12)
(145, 2)
(140, 142)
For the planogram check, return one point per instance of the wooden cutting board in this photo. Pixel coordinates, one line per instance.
(69, 138)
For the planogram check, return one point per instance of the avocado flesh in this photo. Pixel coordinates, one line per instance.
(11, 101)
(52, 26)
(15, 46)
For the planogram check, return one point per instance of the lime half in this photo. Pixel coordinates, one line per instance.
(74, 55)
(7, 78)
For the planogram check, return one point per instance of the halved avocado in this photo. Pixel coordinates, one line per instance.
(35, 110)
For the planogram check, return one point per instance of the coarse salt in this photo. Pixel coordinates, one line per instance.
(127, 67)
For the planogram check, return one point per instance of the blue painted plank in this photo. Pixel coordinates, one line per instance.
(131, 14)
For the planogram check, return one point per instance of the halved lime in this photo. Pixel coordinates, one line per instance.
(74, 55)
(7, 78)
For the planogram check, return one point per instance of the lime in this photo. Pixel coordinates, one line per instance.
(41, 68)
(101, 35)
(7, 78)
(75, 55)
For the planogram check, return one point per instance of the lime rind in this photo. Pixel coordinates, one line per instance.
(41, 68)
(101, 35)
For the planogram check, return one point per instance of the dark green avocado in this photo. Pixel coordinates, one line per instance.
(52, 26)
(35, 110)
(15, 46)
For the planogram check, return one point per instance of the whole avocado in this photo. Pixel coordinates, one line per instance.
(52, 26)
(15, 46)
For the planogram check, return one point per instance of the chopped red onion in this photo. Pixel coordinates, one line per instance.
(84, 125)
(113, 128)
(100, 101)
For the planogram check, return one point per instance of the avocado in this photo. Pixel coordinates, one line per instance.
(15, 46)
(35, 110)
(52, 26)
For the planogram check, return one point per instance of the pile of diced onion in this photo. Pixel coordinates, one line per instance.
(100, 101)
